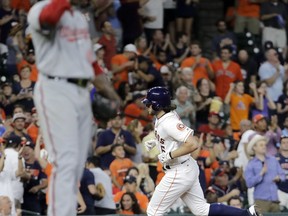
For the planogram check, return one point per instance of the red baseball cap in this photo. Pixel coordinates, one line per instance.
(258, 117)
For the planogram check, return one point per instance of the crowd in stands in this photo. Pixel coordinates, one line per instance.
(235, 100)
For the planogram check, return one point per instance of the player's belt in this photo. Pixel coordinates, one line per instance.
(167, 167)
(79, 82)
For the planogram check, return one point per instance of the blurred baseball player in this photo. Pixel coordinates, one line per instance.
(66, 63)
(176, 142)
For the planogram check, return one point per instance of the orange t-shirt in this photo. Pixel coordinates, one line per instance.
(33, 132)
(34, 70)
(119, 167)
(125, 212)
(132, 111)
(239, 109)
(200, 70)
(208, 171)
(48, 172)
(223, 77)
(247, 9)
(121, 76)
(142, 198)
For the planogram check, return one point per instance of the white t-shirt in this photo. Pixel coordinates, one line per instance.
(11, 165)
(242, 159)
(102, 177)
(169, 4)
(154, 9)
(171, 133)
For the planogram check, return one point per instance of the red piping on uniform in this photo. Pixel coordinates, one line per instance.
(166, 192)
(52, 12)
(53, 149)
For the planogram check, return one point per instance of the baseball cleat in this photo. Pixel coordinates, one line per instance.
(253, 212)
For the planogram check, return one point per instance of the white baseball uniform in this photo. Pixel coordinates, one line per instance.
(181, 174)
(63, 52)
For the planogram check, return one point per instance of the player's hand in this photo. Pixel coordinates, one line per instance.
(164, 157)
(150, 144)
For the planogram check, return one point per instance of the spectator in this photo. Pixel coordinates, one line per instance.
(169, 18)
(119, 165)
(182, 48)
(272, 133)
(240, 103)
(213, 126)
(167, 78)
(248, 68)
(150, 157)
(203, 101)
(282, 157)
(100, 51)
(88, 191)
(266, 103)
(272, 72)
(7, 17)
(223, 189)
(161, 43)
(262, 173)
(235, 202)
(282, 105)
(129, 204)
(222, 38)
(211, 195)
(24, 90)
(7, 99)
(130, 185)
(34, 181)
(106, 205)
(142, 47)
(108, 41)
(247, 17)
(153, 17)
(226, 71)
(122, 64)
(186, 12)
(185, 109)
(115, 22)
(135, 127)
(5, 205)
(273, 15)
(116, 135)
(30, 61)
(14, 164)
(33, 128)
(145, 182)
(285, 129)
(201, 66)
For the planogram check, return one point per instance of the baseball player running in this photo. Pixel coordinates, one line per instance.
(175, 142)
(66, 63)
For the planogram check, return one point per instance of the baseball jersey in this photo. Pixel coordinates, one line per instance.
(171, 133)
(65, 50)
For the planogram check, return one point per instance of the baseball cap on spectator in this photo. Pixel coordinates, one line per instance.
(30, 144)
(130, 179)
(220, 172)
(164, 70)
(130, 48)
(13, 140)
(97, 46)
(256, 138)
(18, 116)
(257, 118)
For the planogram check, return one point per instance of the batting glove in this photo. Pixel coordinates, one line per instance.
(150, 144)
(164, 157)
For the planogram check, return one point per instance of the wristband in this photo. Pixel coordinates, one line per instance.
(170, 155)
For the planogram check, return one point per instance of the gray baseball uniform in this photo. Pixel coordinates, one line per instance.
(64, 59)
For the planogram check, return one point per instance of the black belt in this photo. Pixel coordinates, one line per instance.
(79, 82)
(166, 167)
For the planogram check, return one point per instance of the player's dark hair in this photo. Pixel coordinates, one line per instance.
(169, 108)
(95, 160)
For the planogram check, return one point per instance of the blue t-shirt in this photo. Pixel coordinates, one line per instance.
(107, 138)
(86, 180)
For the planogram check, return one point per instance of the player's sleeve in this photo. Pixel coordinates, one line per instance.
(177, 130)
(45, 15)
